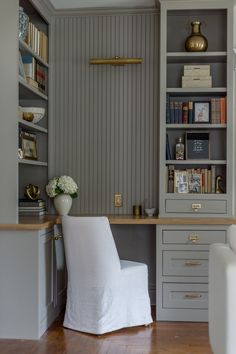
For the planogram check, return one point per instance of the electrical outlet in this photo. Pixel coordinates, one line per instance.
(118, 200)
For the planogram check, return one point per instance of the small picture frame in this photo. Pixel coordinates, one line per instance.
(201, 112)
(181, 181)
(28, 146)
(197, 145)
(21, 68)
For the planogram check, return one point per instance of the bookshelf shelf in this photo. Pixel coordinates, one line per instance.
(29, 92)
(196, 162)
(204, 57)
(32, 127)
(196, 126)
(33, 162)
(196, 90)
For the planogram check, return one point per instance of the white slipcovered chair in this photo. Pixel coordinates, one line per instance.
(104, 293)
(222, 295)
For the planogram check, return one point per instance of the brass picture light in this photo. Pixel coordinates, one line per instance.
(116, 61)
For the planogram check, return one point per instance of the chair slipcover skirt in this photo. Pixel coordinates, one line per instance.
(104, 294)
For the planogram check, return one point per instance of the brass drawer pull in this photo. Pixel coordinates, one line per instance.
(57, 237)
(196, 207)
(193, 238)
(192, 263)
(192, 296)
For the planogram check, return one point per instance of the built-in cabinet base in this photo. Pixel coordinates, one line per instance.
(33, 282)
(182, 270)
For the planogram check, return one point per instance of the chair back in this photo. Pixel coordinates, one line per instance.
(91, 255)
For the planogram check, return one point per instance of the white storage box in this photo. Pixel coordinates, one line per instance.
(193, 81)
(197, 70)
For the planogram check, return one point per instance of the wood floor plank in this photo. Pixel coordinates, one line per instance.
(159, 338)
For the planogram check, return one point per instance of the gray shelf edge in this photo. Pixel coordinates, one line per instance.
(33, 126)
(32, 89)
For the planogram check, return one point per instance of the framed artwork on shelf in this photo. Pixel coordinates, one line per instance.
(181, 181)
(28, 146)
(197, 145)
(201, 112)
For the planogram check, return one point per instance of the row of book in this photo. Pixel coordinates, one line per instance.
(36, 74)
(32, 207)
(191, 180)
(182, 112)
(38, 41)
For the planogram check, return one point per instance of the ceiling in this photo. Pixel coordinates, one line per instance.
(85, 4)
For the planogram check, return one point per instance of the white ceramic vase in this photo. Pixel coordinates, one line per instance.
(62, 203)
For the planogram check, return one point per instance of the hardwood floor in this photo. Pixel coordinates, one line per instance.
(159, 338)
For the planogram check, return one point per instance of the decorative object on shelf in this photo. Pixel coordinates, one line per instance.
(197, 76)
(28, 145)
(116, 61)
(201, 112)
(32, 192)
(179, 149)
(62, 189)
(219, 181)
(23, 23)
(150, 211)
(137, 210)
(20, 154)
(33, 114)
(197, 145)
(21, 68)
(196, 42)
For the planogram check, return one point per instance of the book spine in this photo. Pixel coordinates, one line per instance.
(176, 112)
(168, 109)
(185, 113)
(213, 178)
(222, 110)
(171, 173)
(190, 112)
(172, 114)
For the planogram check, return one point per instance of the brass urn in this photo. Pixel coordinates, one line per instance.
(196, 42)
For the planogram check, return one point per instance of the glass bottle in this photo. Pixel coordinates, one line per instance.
(179, 149)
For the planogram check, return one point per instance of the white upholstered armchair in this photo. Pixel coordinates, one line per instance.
(222, 295)
(104, 293)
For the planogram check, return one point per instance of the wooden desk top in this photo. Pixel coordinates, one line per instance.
(47, 221)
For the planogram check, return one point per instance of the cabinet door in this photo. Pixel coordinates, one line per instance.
(60, 278)
(46, 276)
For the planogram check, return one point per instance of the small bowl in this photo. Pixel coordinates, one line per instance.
(37, 113)
(150, 211)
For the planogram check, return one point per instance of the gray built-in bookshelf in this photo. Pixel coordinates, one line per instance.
(202, 184)
(204, 194)
(33, 92)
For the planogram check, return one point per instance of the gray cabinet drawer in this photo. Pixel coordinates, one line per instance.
(185, 296)
(196, 206)
(188, 237)
(185, 263)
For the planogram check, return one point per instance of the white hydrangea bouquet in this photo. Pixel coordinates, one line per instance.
(62, 185)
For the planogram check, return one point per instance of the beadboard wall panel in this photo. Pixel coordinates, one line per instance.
(104, 119)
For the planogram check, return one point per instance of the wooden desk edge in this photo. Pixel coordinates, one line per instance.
(48, 221)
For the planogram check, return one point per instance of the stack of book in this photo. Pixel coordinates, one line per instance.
(36, 74)
(38, 41)
(178, 110)
(196, 76)
(191, 180)
(32, 207)
(218, 110)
